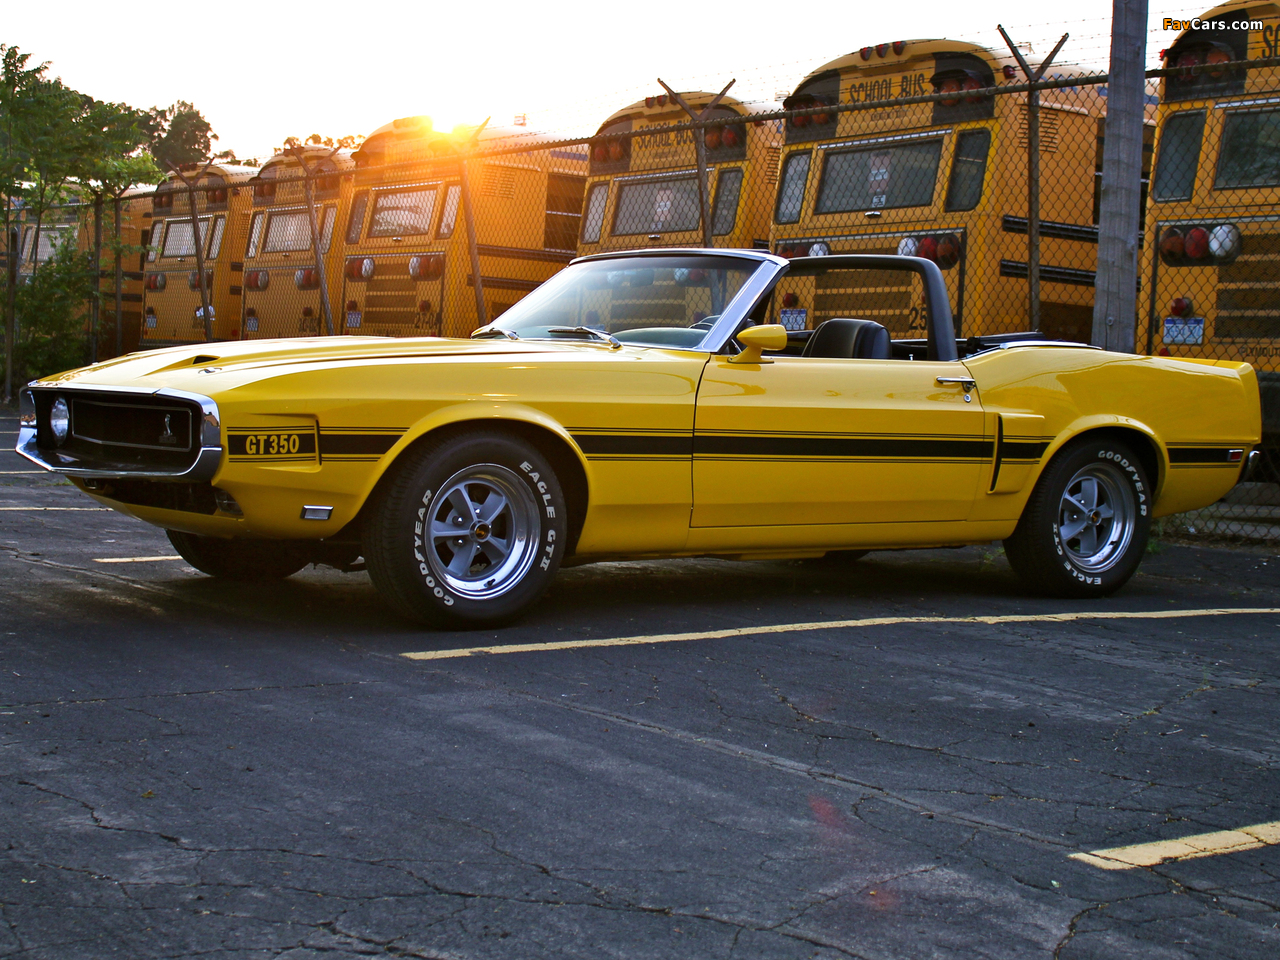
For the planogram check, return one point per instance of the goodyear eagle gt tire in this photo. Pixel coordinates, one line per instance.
(242, 560)
(1084, 529)
(467, 532)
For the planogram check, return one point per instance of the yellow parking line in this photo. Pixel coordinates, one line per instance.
(831, 625)
(1187, 848)
(131, 559)
(42, 509)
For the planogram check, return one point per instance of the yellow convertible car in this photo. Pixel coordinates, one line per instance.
(652, 404)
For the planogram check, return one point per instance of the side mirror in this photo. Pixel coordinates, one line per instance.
(769, 336)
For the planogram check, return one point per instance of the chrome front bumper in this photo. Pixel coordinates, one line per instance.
(209, 436)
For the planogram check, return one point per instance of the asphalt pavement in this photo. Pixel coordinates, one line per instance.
(906, 757)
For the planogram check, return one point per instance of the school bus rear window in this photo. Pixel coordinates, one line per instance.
(879, 177)
(1250, 150)
(402, 213)
(179, 241)
(656, 206)
(288, 232)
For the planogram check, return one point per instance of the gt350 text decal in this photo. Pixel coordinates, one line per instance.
(293, 444)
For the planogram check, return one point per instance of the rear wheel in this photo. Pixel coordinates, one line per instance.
(467, 532)
(242, 560)
(1084, 530)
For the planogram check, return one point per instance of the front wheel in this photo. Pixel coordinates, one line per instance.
(467, 532)
(1084, 529)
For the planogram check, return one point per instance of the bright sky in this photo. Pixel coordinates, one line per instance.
(260, 73)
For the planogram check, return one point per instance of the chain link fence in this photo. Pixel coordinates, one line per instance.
(997, 180)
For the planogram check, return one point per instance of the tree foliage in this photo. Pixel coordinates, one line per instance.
(58, 145)
(50, 334)
(180, 134)
(350, 141)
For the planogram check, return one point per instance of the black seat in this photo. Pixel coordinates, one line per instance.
(843, 339)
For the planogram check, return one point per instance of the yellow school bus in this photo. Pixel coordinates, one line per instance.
(171, 285)
(643, 190)
(1211, 257)
(406, 267)
(282, 281)
(944, 180)
(73, 222)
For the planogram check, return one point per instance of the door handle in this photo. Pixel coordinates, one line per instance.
(968, 383)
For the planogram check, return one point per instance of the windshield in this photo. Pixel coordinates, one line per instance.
(663, 300)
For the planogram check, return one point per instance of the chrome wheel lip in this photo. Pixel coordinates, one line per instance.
(1098, 513)
(502, 528)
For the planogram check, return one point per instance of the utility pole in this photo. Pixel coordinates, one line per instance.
(1115, 298)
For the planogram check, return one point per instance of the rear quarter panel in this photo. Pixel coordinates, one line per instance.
(1190, 412)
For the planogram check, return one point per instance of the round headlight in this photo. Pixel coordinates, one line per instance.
(819, 249)
(60, 420)
(1224, 241)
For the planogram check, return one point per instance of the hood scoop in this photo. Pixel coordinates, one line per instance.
(203, 358)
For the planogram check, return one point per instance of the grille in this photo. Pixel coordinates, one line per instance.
(130, 425)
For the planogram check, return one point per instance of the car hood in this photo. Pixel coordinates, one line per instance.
(204, 367)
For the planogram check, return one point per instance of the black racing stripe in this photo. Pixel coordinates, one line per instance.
(1023, 449)
(1201, 454)
(336, 444)
(637, 445)
(848, 447)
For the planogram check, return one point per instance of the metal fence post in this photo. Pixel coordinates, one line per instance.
(469, 218)
(12, 253)
(119, 265)
(1033, 175)
(95, 312)
(700, 150)
(1115, 303)
(198, 242)
(313, 221)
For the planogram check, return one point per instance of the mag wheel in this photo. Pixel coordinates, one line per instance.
(1084, 530)
(244, 560)
(468, 532)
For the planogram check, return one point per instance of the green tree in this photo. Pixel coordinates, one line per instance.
(22, 89)
(180, 134)
(56, 296)
(57, 144)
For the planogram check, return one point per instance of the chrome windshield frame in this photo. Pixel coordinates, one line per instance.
(768, 267)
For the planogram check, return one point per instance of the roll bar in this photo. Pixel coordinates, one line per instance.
(941, 327)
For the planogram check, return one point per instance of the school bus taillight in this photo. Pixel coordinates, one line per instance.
(155, 281)
(1181, 307)
(1224, 241)
(426, 268)
(308, 278)
(257, 280)
(1196, 243)
(360, 268)
(193, 279)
